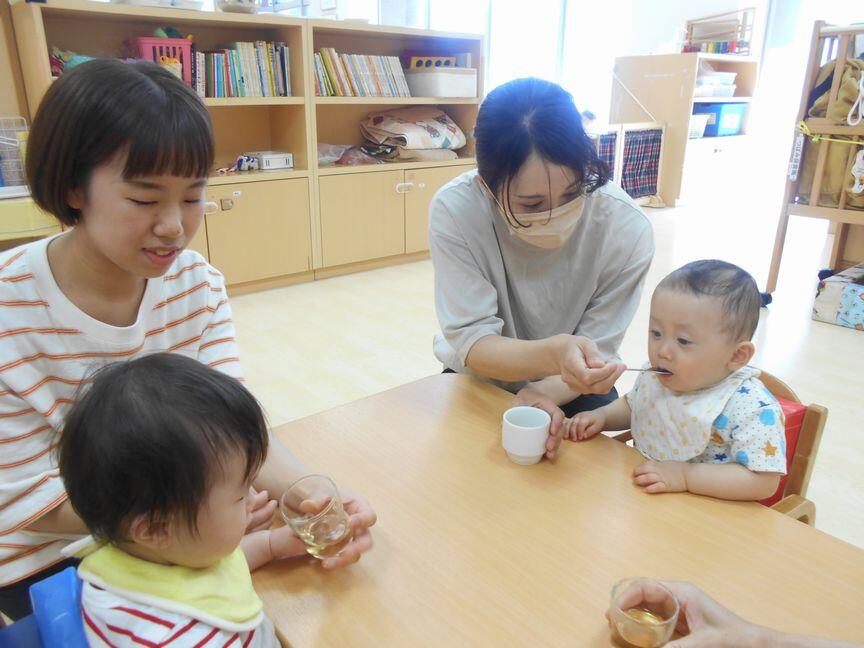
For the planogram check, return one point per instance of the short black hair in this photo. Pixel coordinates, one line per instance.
(527, 115)
(733, 286)
(106, 107)
(150, 436)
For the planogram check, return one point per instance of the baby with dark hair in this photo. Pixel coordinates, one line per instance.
(158, 457)
(702, 418)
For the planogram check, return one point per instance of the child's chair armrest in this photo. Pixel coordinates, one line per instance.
(797, 507)
(624, 437)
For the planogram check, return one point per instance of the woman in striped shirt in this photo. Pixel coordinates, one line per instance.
(120, 154)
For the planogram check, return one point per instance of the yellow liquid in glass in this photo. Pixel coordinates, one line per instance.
(327, 537)
(642, 629)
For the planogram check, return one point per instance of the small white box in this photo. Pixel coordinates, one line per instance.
(272, 160)
(442, 82)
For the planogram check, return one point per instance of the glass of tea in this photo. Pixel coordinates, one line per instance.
(642, 613)
(313, 509)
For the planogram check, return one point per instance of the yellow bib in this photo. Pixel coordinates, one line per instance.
(220, 595)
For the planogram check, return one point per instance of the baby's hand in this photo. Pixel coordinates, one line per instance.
(284, 543)
(584, 425)
(661, 476)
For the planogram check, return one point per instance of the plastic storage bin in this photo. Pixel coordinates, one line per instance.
(442, 82)
(151, 48)
(724, 119)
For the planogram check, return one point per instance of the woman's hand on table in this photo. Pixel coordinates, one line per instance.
(528, 396)
(583, 368)
(360, 517)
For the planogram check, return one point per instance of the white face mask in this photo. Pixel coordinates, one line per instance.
(544, 230)
(549, 230)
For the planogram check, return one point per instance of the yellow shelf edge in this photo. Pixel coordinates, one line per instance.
(393, 166)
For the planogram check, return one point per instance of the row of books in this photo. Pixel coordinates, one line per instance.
(358, 75)
(258, 69)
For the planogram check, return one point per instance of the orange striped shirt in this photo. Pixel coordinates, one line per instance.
(48, 348)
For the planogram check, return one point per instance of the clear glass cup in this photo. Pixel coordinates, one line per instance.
(313, 509)
(642, 613)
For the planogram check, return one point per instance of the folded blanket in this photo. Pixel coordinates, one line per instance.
(418, 127)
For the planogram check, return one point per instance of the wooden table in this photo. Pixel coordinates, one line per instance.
(472, 550)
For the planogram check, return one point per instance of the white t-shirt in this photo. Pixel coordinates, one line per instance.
(48, 347)
(490, 282)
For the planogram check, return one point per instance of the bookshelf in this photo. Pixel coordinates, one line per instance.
(665, 84)
(280, 227)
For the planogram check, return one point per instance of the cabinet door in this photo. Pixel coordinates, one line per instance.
(199, 241)
(422, 185)
(261, 229)
(362, 216)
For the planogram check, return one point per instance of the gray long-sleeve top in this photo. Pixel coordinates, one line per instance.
(490, 282)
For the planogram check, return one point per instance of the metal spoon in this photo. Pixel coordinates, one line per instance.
(662, 372)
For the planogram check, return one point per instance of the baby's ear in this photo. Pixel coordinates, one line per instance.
(742, 355)
(149, 532)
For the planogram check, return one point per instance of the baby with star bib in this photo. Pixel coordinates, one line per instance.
(708, 425)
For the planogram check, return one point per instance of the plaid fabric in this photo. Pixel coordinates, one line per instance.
(641, 162)
(606, 149)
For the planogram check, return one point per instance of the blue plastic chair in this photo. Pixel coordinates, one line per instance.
(56, 618)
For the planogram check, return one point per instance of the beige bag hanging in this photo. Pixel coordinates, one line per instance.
(837, 176)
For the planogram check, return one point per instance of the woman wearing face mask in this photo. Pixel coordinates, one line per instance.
(539, 259)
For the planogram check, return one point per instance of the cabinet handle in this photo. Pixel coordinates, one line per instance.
(404, 187)
(227, 204)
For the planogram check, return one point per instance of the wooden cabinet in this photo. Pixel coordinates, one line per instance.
(362, 216)
(199, 241)
(261, 229)
(422, 184)
(663, 88)
(377, 214)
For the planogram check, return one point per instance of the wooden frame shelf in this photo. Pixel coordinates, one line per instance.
(662, 87)
(393, 166)
(829, 44)
(407, 101)
(722, 99)
(256, 206)
(239, 177)
(253, 101)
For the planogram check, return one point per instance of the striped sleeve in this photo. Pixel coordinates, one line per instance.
(218, 347)
(112, 620)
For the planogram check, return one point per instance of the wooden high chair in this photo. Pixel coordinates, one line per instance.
(801, 453)
(804, 425)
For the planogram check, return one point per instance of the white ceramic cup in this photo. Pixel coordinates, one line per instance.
(523, 434)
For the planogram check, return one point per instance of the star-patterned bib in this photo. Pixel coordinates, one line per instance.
(672, 426)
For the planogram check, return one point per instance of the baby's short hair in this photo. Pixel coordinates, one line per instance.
(734, 287)
(149, 437)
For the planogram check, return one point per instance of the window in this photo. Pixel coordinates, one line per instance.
(523, 45)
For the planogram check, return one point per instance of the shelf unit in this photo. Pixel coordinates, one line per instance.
(281, 226)
(829, 45)
(664, 85)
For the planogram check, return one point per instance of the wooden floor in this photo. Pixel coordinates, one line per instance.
(310, 347)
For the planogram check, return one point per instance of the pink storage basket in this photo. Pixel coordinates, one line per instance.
(151, 48)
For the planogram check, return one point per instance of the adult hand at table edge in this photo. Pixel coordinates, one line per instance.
(529, 397)
(583, 367)
(702, 621)
(361, 516)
